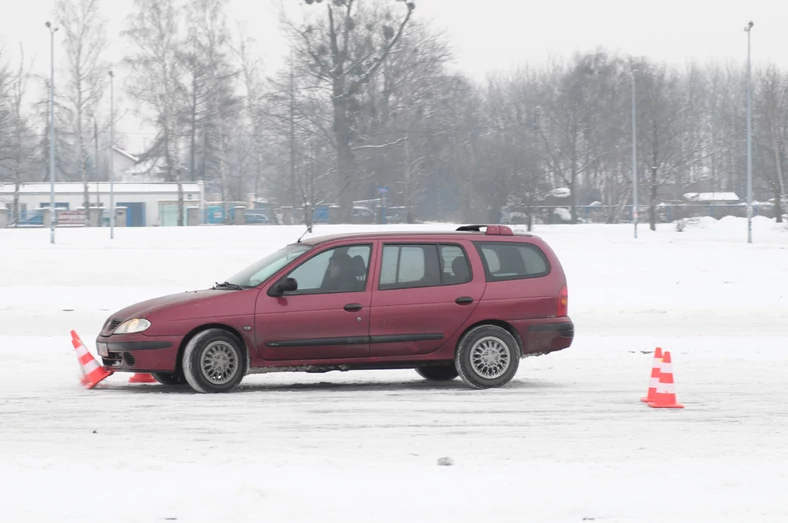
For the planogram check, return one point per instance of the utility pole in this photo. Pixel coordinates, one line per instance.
(96, 167)
(749, 135)
(293, 199)
(634, 158)
(52, 213)
(111, 154)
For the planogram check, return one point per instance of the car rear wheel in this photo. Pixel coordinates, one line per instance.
(438, 372)
(488, 356)
(170, 378)
(214, 361)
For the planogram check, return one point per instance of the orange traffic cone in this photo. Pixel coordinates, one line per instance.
(666, 391)
(654, 381)
(92, 372)
(142, 378)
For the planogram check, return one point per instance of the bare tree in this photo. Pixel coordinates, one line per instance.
(254, 94)
(19, 156)
(344, 52)
(6, 117)
(156, 74)
(84, 41)
(566, 124)
(772, 113)
(667, 141)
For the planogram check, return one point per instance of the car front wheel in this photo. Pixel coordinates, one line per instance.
(488, 356)
(438, 373)
(214, 361)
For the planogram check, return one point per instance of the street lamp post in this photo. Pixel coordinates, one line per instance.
(749, 136)
(111, 154)
(634, 158)
(52, 213)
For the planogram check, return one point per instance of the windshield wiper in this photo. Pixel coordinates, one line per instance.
(228, 285)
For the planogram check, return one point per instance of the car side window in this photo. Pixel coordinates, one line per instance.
(409, 266)
(513, 261)
(456, 268)
(341, 269)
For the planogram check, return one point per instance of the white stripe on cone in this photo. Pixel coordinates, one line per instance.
(91, 366)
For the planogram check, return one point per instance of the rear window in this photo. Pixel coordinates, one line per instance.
(512, 261)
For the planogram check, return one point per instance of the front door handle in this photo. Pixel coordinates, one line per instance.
(353, 307)
(464, 300)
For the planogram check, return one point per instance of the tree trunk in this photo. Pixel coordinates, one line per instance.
(180, 196)
(778, 186)
(223, 175)
(407, 193)
(193, 137)
(347, 186)
(652, 197)
(573, 197)
(652, 201)
(17, 186)
(83, 157)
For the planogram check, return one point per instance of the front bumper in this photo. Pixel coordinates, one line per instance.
(139, 353)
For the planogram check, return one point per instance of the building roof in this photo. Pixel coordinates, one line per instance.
(119, 188)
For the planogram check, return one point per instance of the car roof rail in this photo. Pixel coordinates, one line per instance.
(489, 230)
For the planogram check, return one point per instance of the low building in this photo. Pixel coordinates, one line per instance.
(147, 204)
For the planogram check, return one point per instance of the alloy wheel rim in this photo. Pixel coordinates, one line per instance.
(490, 358)
(219, 363)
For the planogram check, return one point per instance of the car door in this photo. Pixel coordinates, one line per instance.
(327, 317)
(425, 292)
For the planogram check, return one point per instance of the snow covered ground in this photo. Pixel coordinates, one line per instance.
(567, 441)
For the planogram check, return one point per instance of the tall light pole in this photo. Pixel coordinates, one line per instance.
(52, 213)
(111, 154)
(634, 158)
(749, 136)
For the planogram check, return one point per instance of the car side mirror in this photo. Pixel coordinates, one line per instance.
(286, 285)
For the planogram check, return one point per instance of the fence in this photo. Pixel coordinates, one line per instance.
(666, 213)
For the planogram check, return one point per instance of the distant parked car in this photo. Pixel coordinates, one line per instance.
(256, 216)
(468, 303)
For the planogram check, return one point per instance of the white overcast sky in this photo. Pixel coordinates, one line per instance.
(490, 35)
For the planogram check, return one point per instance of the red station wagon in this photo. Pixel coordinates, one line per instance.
(468, 303)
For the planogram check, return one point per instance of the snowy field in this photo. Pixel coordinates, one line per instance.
(567, 441)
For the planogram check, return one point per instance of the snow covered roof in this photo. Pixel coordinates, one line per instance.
(149, 170)
(561, 192)
(712, 197)
(119, 187)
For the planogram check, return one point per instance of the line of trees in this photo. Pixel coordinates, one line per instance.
(367, 99)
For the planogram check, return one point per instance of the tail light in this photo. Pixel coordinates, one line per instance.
(563, 302)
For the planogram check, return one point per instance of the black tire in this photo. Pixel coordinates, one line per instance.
(170, 378)
(496, 341)
(438, 372)
(229, 359)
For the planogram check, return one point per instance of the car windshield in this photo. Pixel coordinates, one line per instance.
(261, 270)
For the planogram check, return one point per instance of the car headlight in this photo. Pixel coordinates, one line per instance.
(132, 326)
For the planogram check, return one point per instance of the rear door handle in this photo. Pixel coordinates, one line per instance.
(353, 307)
(464, 300)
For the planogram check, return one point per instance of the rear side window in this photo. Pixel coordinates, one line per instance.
(513, 261)
(456, 268)
(423, 265)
